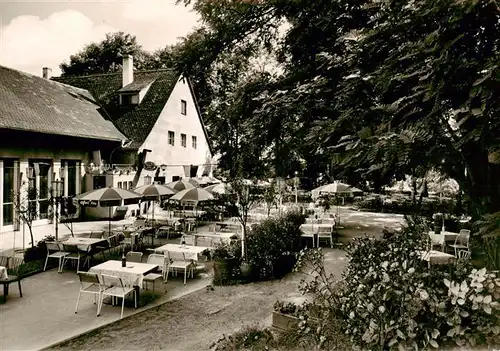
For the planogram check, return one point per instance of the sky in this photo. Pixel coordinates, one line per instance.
(41, 33)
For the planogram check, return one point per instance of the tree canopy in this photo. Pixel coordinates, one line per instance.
(362, 90)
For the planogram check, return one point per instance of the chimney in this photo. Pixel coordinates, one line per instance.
(127, 70)
(46, 72)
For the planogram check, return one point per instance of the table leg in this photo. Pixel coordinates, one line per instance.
(137, 291)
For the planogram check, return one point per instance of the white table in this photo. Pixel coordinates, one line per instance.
(308, 227)
(192, 251)
(222, 236)
(442, 238)
(3, 273)
(83, 244)
(131, 275)
(436, 257)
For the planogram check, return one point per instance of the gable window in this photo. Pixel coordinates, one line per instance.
(194, 141)
(129, 99)
(183, 140)
(171, 138)
(183, 107)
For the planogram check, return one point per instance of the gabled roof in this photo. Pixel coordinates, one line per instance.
(35, 104)
(135, 121)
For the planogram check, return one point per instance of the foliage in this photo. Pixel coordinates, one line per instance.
(227, 260)
(405, 205)
(389, 299)
(107, 55)
(25, 206)
(487, 236)
(272, 244)
(224, 250)
(249, 338)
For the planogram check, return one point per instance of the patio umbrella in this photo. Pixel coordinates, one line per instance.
(108, 197)
(193, 195)
(181, 185)
(223, 189)
(154, 192)
(206, 180)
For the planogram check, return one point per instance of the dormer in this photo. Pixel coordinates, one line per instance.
(132, 91)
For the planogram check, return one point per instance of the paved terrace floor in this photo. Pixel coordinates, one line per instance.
(45, 314)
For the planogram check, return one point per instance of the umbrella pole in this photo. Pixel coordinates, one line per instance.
(154, 209)
(109, 220)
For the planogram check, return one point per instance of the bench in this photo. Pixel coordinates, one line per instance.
(13, 265)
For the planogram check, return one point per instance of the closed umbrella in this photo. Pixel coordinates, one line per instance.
(108, 197)
(180, 185)
(154, 192)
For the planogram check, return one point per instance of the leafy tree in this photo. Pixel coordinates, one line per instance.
(106, 56)
(25, 208)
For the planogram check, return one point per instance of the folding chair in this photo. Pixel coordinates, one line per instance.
(461, 241)
(134, 256)
(178, 262)
(113, 286)
(54, 251)
(89, 284)
(163, 262)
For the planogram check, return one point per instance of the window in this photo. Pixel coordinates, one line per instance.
(73, 168)
(130, 185)
(147, 180)
(125, 186)
(119, 185)
(39, 186)
(171, 138)
(183, 107)
(159, 180)
(194, 141)
(129, 99)
(175, 178)
(9, 171)
(183, 140)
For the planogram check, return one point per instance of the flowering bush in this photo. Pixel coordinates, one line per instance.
(390, 299)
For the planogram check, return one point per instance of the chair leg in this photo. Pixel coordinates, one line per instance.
(98, 299)
(19, 287)
(135, 298)
(45, 266)
(77, 301)
(123, 305)
(185, 275)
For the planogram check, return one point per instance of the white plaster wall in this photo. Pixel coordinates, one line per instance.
(171, 119)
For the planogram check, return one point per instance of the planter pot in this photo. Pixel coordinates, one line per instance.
(224, 271)
(246, 270)
(284, 321)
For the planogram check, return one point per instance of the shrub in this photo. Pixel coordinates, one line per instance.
(227, 259)
(249, 338)
(389, 298)
(38, 252)
(405, 205)
(272, 244)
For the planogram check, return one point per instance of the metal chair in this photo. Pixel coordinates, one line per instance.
(461, 241)
(113, 286)
(133, 256)
(54, 251)
(73, 255)
(178, 261)
(89, 284)
(163, 262)
(464, 255)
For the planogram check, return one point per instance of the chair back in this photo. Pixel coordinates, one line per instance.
(464, 254)
(4, 260)
(134, 256)
(71, 248)
(327, 221)
(463, 238)
(161, 260)
(14, 264)
(88, 278)
(324, 230)
(188, 239)
(111, 280)
(113, 240)
(96, 235)
(52, 246)
(176, 256)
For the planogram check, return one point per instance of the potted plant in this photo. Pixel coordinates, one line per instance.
(226, 258)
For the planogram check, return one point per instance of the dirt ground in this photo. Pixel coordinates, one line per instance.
(196, 320)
